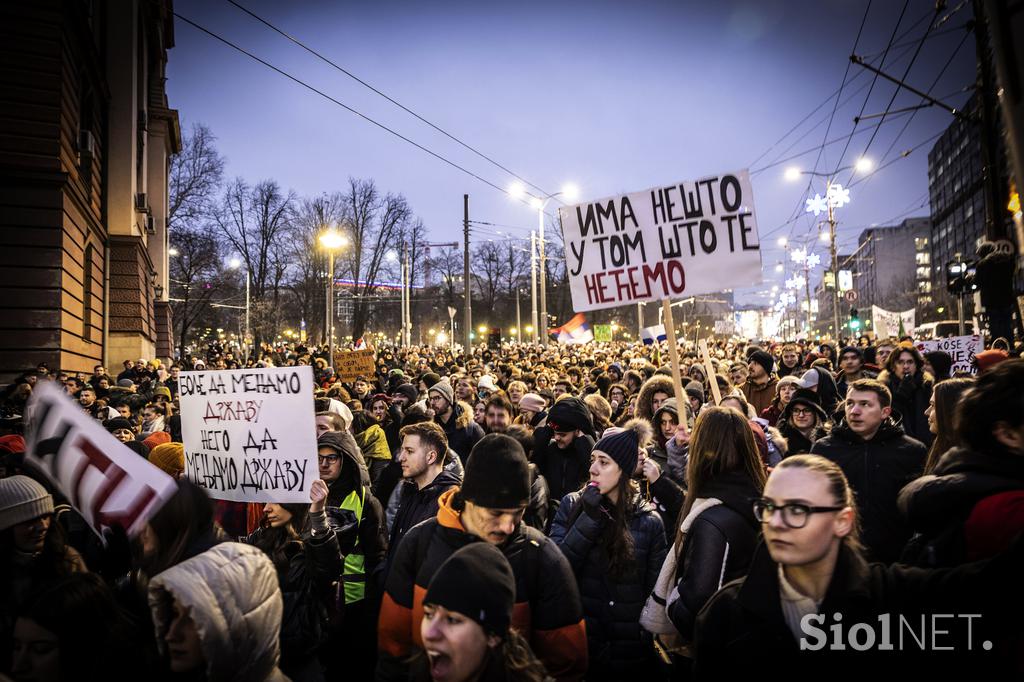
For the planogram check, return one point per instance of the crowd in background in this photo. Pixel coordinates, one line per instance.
(542, 512)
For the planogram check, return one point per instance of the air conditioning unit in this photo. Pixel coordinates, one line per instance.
(141, 202)
(86, 143)
(150, 224)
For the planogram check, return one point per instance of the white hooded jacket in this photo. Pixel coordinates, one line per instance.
(232, 594)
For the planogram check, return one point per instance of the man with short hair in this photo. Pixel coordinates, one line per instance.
(563, 387)
(498, 414)
(424, 478)
(790, 364)
(759, 388)
(878, 460)
(489, 507)
(851, 368)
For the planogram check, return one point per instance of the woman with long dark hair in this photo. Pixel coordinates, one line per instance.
(304, 549)
(615, 543)
(716, 534)
(941, 415)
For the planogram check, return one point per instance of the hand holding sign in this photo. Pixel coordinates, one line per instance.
(318, 494)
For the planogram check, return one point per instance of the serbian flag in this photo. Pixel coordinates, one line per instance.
(651, 334)
(575, 330)
(359, 344)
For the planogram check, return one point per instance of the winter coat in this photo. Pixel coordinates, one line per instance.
(718, 547)
(418, 505)
(231, 593)
(313, 565)
(462, 432)
(659, 383)
(619, 648)
(741, 632)
(910, 399)
(760, 397)
(797, 443)
(564, 470)
(828, 394)
(538, 511)
(453, 465)
(877, 469)
(945, 508)
(547, 609)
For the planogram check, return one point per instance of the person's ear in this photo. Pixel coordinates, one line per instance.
(844, 522)
(886, 411)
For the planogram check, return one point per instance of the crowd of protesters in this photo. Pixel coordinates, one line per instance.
(547, 512)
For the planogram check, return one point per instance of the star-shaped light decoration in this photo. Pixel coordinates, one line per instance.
(799, 255)
(837, 196)
(817, 205)
(812, 261)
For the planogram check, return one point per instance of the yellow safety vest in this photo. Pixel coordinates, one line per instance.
(354, 575)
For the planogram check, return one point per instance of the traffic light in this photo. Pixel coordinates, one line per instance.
(854, 320)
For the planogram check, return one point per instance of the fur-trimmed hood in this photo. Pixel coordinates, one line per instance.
(644, 399)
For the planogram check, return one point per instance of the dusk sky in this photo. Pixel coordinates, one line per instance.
(612, 96)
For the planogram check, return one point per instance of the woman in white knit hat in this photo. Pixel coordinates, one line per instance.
(33, 549)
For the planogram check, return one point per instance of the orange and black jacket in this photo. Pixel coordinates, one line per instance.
(547, 612)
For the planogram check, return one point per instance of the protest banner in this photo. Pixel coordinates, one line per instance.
(886, 323)
(603, 333)
(961, 348)
(671, 241)
(351, 364)
(250, 434)
(105, 481)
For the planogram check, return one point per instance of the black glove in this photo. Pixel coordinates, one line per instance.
(592, 499)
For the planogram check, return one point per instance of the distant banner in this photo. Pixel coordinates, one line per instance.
(667, 242)
(104, 480)
(651, 334)
(353, 364)
(603, 333)
(886, 323)
(961, 348)
(250, 434)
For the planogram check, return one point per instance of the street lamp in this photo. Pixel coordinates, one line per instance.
(835, 197)
(235, 263)
(571, 193)
(332, 240)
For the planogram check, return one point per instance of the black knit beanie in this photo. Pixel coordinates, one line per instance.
(624, 446)
(764, 359)
(497, 474)
(477, 582)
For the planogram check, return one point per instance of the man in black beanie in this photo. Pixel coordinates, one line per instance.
(759, 388)
(488, 508)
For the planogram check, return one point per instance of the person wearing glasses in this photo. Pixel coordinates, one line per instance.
(358, 519)
(810, 598)
(803, 422)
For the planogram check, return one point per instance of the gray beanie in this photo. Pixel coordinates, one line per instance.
(444, 389)
(22, 499)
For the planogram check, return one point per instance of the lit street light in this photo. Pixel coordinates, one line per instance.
(235, 263)
(571, 194)
(332, 240)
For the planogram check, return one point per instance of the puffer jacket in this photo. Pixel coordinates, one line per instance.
(547, 609)
(877, 470)
(910, 399)
(619, 648)
(462, 432)
(564, 470)
(718, 546)
(538, 511)
(938, 506)
(231, 592)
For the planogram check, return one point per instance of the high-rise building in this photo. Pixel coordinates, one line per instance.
(893, 266)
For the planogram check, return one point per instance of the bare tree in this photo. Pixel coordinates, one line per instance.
(489, 272)
(376, 224)
(255, 221)
(448, 265)
(308, 277)
(194, 179)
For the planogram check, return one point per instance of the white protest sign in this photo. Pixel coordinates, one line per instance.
(105, 481)
(250, 434)
(886, 323)
(671, 241)
(961, 348)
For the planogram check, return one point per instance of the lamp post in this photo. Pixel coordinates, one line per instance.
(235, 264)
(835, 197)
(332, 240)
(570, 192)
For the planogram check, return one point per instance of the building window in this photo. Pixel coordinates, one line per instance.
(923, 258)
(924, 287)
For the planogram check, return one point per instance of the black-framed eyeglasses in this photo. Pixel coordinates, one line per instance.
(800, 412)
(794, 515)
(329, 459)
